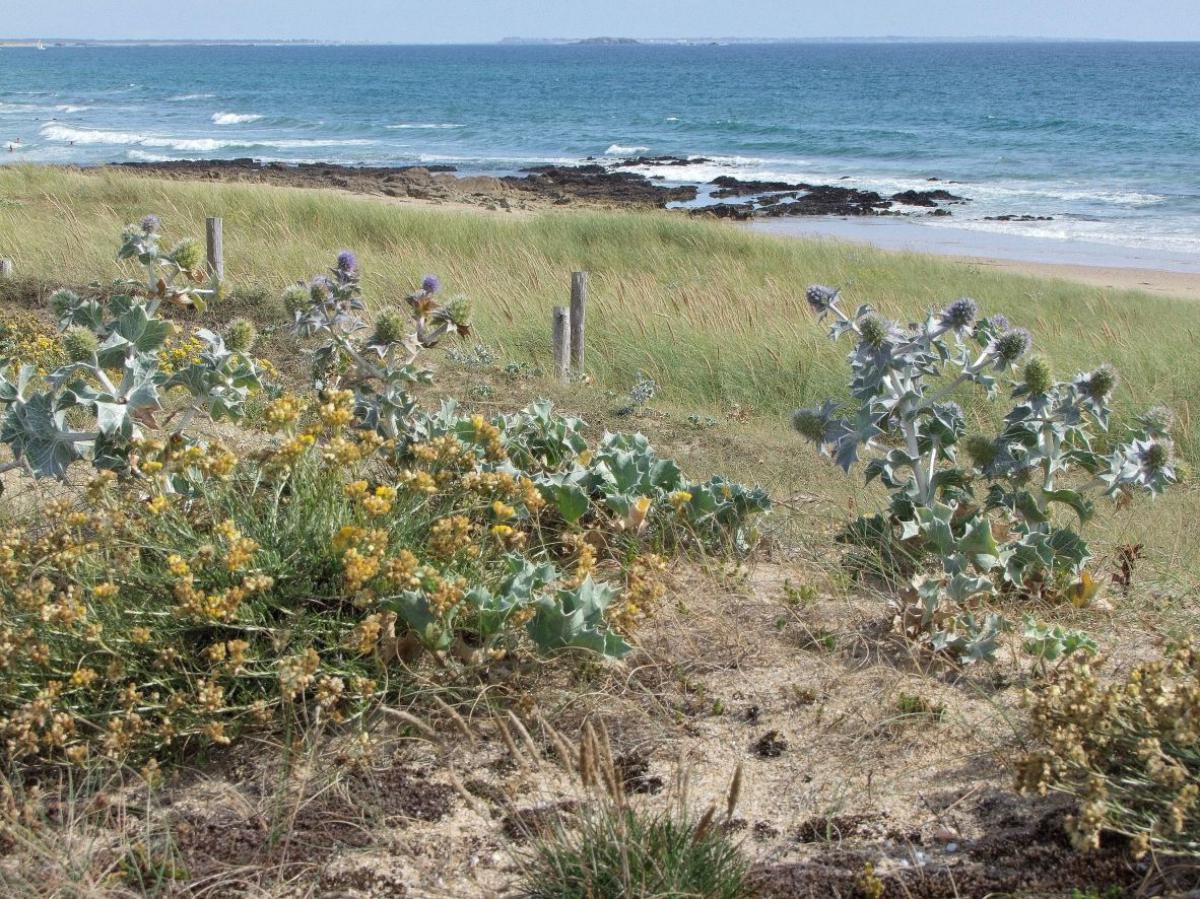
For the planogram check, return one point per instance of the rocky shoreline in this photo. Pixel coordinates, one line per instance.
(591, 184)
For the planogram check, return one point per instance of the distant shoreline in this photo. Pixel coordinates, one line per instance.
(485, 195)
(60, 42)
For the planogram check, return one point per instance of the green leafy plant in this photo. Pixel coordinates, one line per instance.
(113, 391)
(971, 515)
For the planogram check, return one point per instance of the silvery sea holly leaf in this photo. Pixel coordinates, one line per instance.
(575, 619)
(38, 433)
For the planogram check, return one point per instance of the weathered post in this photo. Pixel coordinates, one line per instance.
(579, 282)
(6, 269)
(216, 250)
(561, 331)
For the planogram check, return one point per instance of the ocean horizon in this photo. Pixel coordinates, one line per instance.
(1081, 139)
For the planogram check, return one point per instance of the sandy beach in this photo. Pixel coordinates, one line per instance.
(1183, 285)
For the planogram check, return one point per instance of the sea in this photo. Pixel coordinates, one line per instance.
(1098, 141)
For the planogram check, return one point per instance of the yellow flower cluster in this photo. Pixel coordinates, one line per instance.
(296, 673)
(177, 354)
(363, 638)
(451, 536)
(25, 336)
(488, 436)
(336, 409)
(644, 588)
(284, 412)
(444, 451)
(1126, 750)
(417, 482)
(377, 502)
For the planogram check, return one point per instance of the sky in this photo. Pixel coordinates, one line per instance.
(471, 21)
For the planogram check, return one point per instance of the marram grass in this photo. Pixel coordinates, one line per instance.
(714, 314)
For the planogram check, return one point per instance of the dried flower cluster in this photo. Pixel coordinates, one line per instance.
(1129, 751)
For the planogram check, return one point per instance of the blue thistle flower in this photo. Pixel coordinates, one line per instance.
(809, 424)
(431, 284)
(1099, 384)
(1011, 346)
(874, 331)
(1038, 376)
(347, 262)
(960, 314)
(999, 323)
(1154, 455)
(820, 297)
(982, 450)
(1158, 421)
(150, 224)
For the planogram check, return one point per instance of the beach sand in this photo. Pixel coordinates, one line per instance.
(1182, 285)
(1159, 272)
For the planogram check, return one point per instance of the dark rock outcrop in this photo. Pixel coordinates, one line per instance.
(735, 187)
(736, 211)
(662, 160)
(598, 184)
(927, 197)
(829, 200)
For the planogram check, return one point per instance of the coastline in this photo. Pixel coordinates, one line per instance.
(1159, 282)
(1093, 265)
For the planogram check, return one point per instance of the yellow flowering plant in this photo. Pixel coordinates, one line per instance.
(1128, 750)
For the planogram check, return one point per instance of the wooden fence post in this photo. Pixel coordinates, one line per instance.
(6, 269)
(562, 342)
(216, 249)
(579, 282)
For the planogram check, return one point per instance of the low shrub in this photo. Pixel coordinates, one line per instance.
(1129, 751)
(974, 516)
(196, 588)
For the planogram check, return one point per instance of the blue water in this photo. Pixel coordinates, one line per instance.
(1103, 137)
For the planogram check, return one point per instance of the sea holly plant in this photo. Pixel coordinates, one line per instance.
(175, 275)
(377, 364)
(114, 390)
(975, 515)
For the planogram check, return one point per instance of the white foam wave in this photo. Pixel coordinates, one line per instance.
(67, 107)
(619, 150)
(234, 118)
(184, 98)
(421, 126)
(62, 133)
(486, 161)
(143, 156)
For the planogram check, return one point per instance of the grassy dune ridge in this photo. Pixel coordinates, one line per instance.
(714, 313)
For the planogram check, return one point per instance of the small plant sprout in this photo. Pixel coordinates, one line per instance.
(981, 508)
(643, 391)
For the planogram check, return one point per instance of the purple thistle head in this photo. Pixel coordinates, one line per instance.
(999, 323)
(820, 297)
(150, 224)
(431, 284)
(347, 262)
(960, 314)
